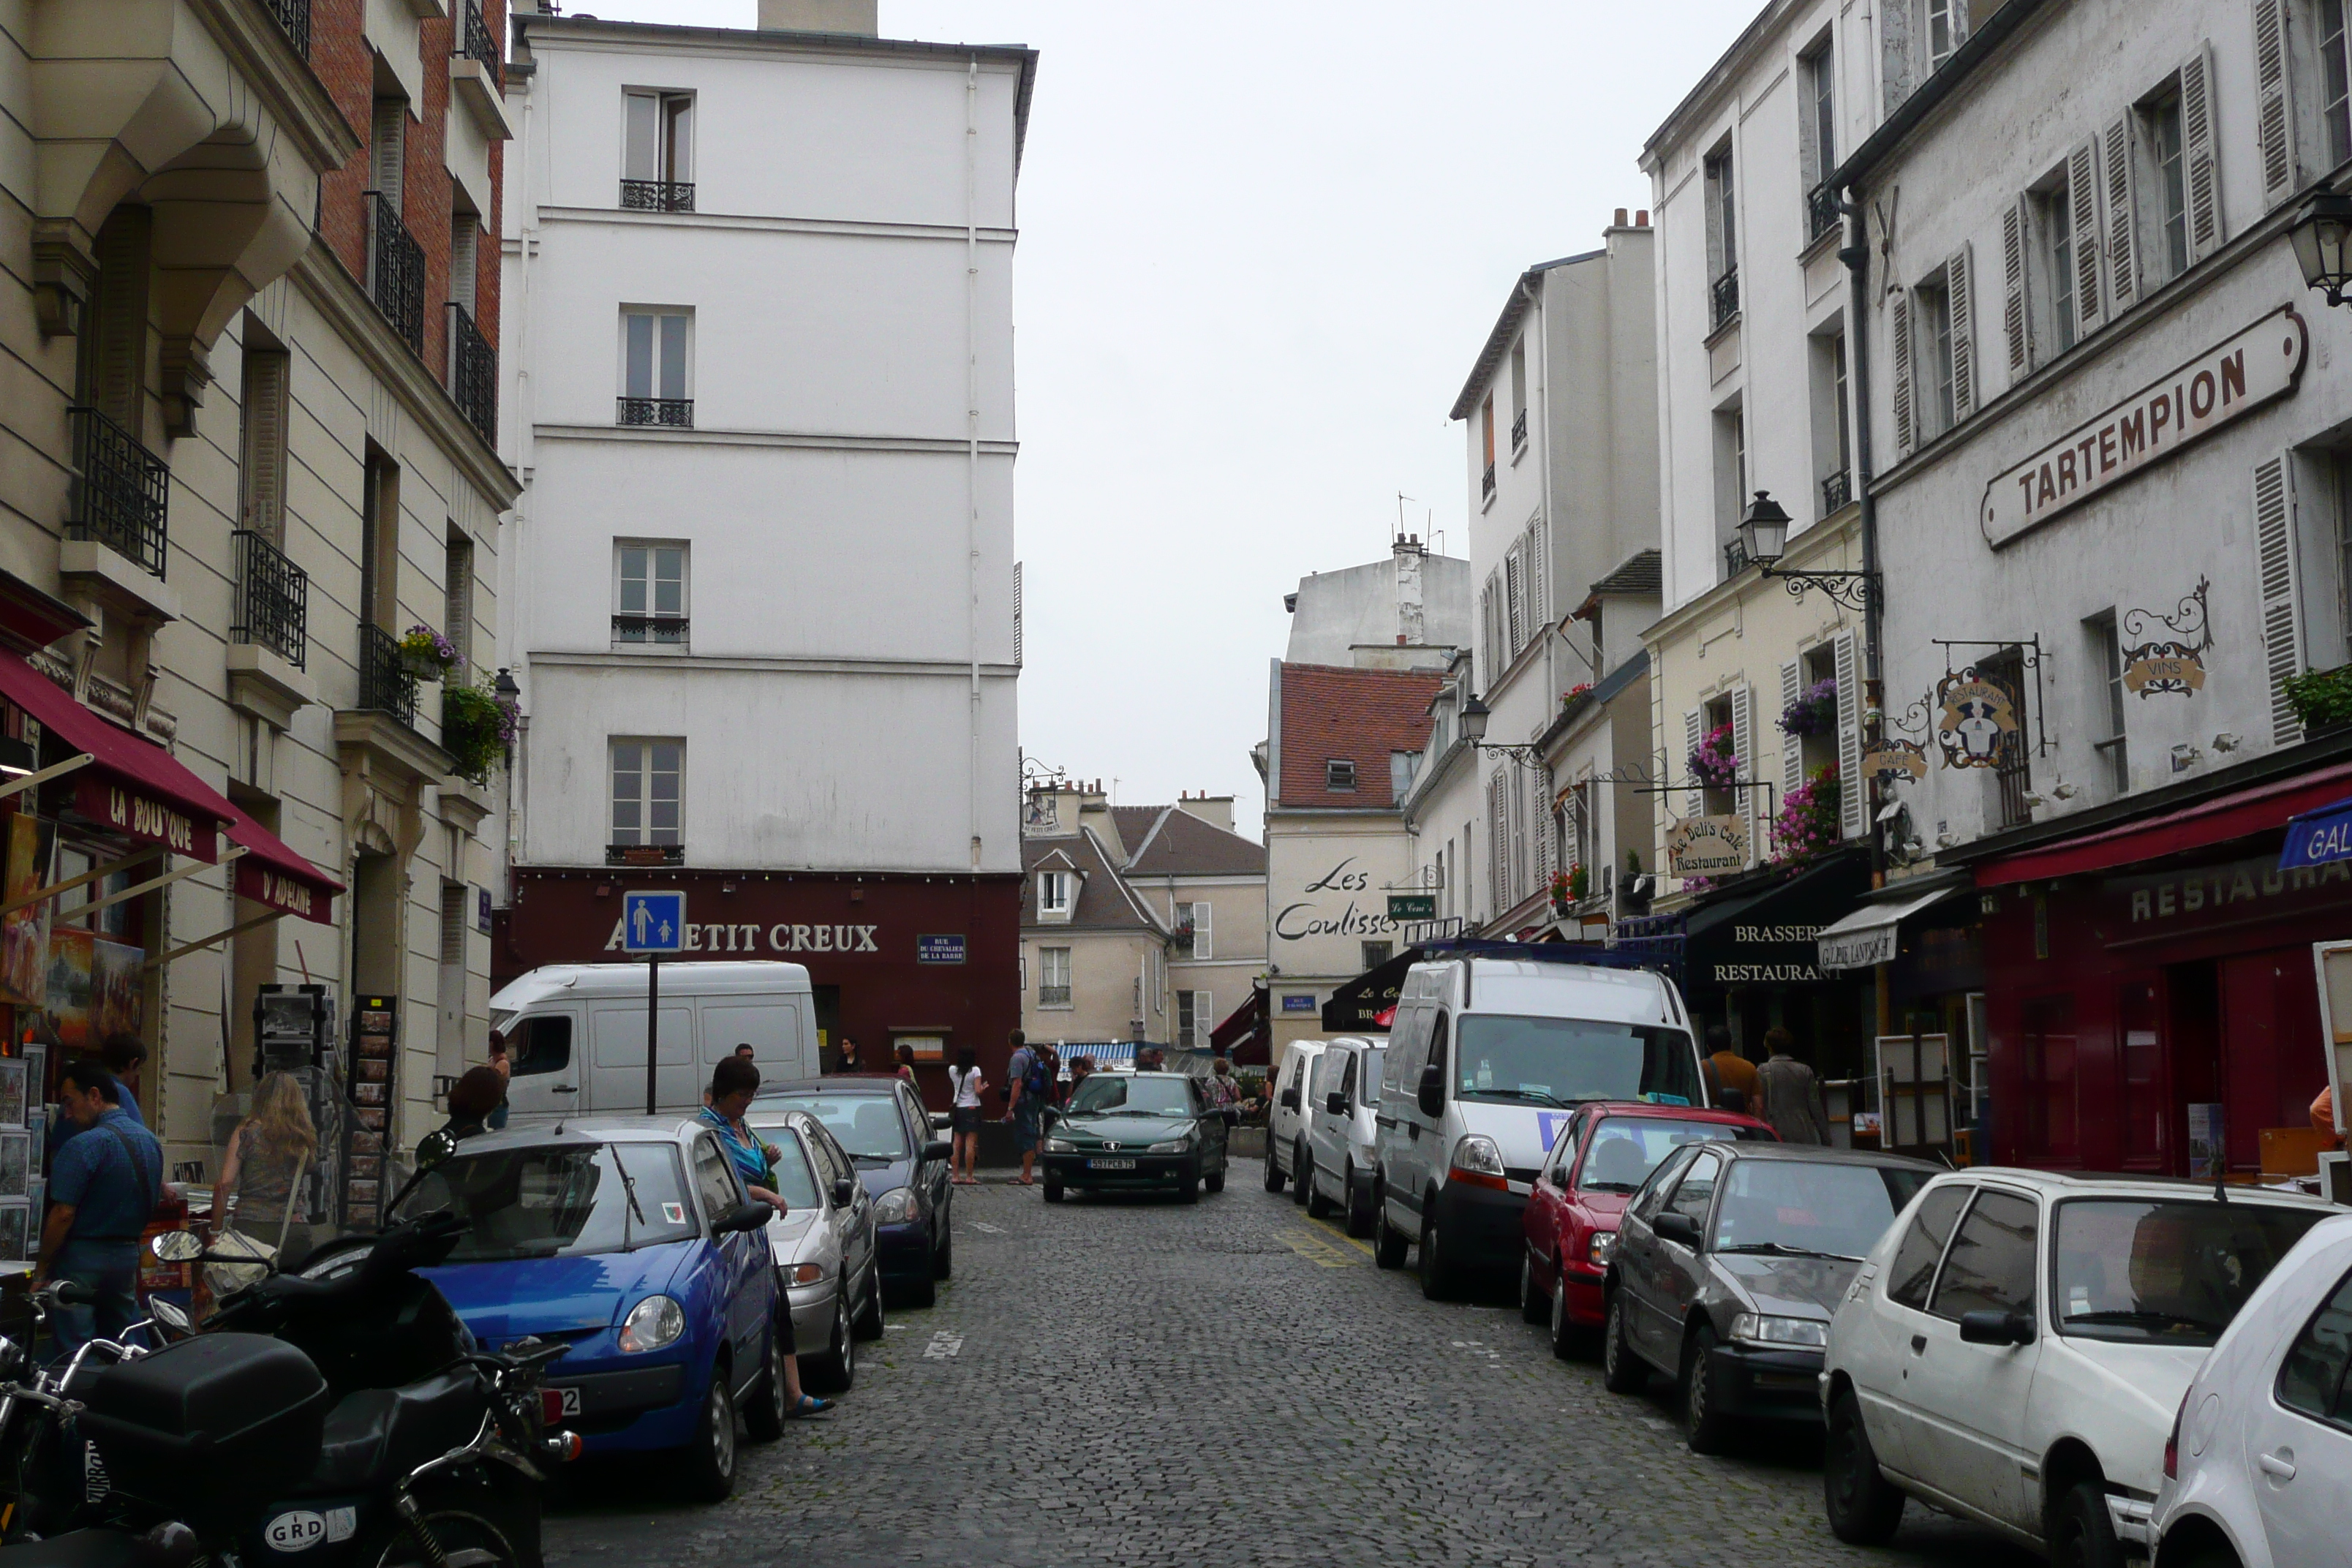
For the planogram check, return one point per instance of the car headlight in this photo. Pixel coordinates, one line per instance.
(1478, 1155)
(1598, 1250)
(802, 1273)
(651, 1324)
(1172, 1146)
(897, 1205)
(1802, 1333)
(1058, 1145)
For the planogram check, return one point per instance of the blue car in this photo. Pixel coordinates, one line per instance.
(632, 1241)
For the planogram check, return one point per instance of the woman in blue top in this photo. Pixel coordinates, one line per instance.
(733, 1082)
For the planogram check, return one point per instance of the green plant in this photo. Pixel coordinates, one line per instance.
(478, 728)
(2321, 699)
(1579, 881)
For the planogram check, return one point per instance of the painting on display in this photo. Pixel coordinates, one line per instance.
(15, 1162)
(15, 1231)
(93, 987)
(31, 842)
(13, 1101)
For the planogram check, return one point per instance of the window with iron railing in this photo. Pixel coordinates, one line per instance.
(1519, 430)
(478, 42)
(294, 17)
(473, 373)
(395, 271)
(657, 195)
(386, 684)
(1735, 558)
(1821, 212)
(1723, 300)
(1486, 482)
(120, 490)
(273, 599)
(678, 413)
(1836, 490)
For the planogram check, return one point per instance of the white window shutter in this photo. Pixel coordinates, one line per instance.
(1017, 615)
(1694, 732)
(1539, 823)
(2273, 101)
(1515, 585)
(2281, 602)
(1747, 802)
(265, 444)
(1898, 328)
(2123, 217)
(2013, 318)
(1498, 837)
(2201, 169)
(1539, 580)
(1203, 944)
(1960, 294)
(1853, 796)
(1793, 747)
(2083, 196)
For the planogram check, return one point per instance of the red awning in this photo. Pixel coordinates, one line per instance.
(151, 796)
(270, 873)
(2261, 809)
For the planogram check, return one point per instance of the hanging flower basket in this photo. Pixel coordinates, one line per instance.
(1808, 824)
(1564, 892)
(427, 654)
(1815, 712)
(1715, 765)
(478, 728)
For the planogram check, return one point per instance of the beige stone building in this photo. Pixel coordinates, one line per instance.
(1207, 884)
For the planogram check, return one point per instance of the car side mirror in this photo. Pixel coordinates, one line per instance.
(1993, 1328)
(1433, 1089)
(939, 1148)
(1676, 1228)
(1336, 1103)
(844, 1190)
(435, 1149)
(743, 1217)
(1289, 1100)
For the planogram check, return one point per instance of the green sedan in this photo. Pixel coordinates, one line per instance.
(1144, 1131)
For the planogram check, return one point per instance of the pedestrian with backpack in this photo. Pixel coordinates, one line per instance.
(1030, 1081)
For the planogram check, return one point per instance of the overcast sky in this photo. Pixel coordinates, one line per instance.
(1260, 245)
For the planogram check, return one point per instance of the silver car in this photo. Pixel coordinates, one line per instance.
(824, 1245)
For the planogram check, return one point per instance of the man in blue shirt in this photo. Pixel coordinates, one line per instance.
(101, 1190)
(123, 1055)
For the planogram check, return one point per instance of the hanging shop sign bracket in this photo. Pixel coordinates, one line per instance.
(1970, 726)
(216, 938)
(2168, 665)
(149, 886)
(71, 883)
(54, 771)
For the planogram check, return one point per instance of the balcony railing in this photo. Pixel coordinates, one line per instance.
(120, 490)
(395, 272)
(273, 599)
(1723, 300)
(1486, 483)
(644, 854)
(1735, 559)
(480, 43)
(385, 685)
(1052, 996)
(1519, 430)
(657, 195)
(1821, 212)
(472, 373)
(674, 412)
(294, 16)
(1836, 490)
(658, 631)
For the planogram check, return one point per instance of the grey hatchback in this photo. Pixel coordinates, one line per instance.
(1731, 1261)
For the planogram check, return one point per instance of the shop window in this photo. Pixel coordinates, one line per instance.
(2048, 1036)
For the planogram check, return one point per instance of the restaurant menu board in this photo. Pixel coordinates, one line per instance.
(375, 1027)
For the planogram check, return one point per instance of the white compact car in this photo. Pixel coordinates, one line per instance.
(2259, 1470)
(1286, 1119)
(1344, 1097)
(2013, 1349)
(826, 1266)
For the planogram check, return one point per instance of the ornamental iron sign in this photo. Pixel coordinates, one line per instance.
(1894, 759)
(1976, 720)
(2173, 666)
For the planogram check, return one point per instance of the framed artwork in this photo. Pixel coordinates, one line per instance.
(15, 1162)
(37, 1075)
(13, 1100)
(30, 842)
(37, 1121)
(15, 1231)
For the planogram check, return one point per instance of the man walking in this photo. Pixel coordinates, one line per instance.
(1026, 1075)
(1732, 1070)
(103, 1189)
(1791, 1096)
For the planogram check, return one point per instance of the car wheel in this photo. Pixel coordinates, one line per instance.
(1621, 1370)
(869, 1324)
(1863, 1506)
(1436, 1263)
(1388, 1250)
(1273, 1170)
(1706, 1427)
(1052, 1192)
(2214, 1556)
(1215, 1184)
(1567, 1340)
(1189, 1189)
(1300, 1188)
(2081, 1533)
(837, 1369)
(1360, 1213)
(706, 1463)
(1317, 1205)
(1533, 1308)
(763, 1418)
(943, 1255)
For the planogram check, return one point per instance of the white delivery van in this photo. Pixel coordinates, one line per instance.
(576, 1032)
(1492, 1048)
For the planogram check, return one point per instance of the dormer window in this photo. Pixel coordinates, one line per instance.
(1057, 891)
(1338, 775)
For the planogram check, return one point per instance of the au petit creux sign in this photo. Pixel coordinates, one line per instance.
(2217, 386)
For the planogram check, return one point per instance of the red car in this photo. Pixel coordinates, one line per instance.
(1597, 1162)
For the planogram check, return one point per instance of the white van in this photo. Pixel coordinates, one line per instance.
(576, 1032)
(1491, 1052)
(1343, 1099)
(1285, 1118)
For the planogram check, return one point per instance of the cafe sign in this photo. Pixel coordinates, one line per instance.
(2214, 389)
(1707, 845)
(1896, 759)
(1976, 720)
(135, 814)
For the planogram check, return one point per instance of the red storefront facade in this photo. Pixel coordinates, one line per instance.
(2138, 973)
(889, 955)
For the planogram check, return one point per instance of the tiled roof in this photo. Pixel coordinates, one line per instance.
(1104, 902)
(1641, 573)
(1179, 844)
(1134, 824)
(1330, 714)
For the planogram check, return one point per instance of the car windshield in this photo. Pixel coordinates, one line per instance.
(793, 1183)
(2168, 1271)
(1106, 1092)
(868, 1125)
(1626, 1149)
(565, 1201)
(1811, 1207)
(1564, 1061)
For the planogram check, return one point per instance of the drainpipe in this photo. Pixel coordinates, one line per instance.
(971, 434)
(1856, 253)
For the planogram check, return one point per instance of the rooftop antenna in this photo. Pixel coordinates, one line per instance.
(1401, 499)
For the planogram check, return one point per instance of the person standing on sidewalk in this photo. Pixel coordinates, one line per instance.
(968, 1085)
(101, 1192)
(1732, 1070)
(1028, 1086)
(1791, 1096)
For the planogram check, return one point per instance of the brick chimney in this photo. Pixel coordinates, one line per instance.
(821, 16)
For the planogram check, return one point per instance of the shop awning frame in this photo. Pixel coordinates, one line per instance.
(149, 886)
(1870, 935)
(2241, 814)
(71, 883)
(160, 960)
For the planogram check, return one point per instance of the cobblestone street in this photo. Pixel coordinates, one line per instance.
(1140, 1383)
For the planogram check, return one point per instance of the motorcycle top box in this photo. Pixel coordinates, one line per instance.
(210, 1427)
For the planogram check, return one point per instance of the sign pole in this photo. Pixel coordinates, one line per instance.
(653, 1020)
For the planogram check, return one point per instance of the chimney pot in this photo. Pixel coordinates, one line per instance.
(857, 16)
(1621, 217)
(1641, 218)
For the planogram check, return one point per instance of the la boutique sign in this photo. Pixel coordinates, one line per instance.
(2212, 389)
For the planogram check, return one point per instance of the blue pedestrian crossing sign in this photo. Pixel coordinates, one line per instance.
(653, 922)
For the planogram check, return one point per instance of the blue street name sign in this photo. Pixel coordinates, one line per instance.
(938, 950)
(653, 922)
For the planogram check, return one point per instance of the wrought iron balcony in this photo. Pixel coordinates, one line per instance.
(657, 195)
(1723, 300)
(674, 412)
(1735, 559)
(472, 373)
(294, 16)
(1821, 212)
(1519, 430)
(1836, 490)
(1052, 996)
(385, 685)
(120, 490)
(478, 42)
(656, 631)
(1486, 483)
(644, 854)
(395, 272)
(273, 599)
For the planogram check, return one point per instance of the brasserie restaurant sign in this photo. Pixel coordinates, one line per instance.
(2260, 363)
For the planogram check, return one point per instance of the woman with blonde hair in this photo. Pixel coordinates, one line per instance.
(268, 1155)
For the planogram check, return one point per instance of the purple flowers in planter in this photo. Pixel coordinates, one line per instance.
(1715, 765)
(1808, 823)
(1814, 712)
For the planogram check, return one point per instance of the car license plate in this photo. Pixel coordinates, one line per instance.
(1110, 1164)
(555, 1403)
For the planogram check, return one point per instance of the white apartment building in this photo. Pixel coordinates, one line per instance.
(760, 336)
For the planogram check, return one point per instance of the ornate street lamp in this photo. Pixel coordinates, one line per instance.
(1764, 535)
(2322, 235)
(1476, 716)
